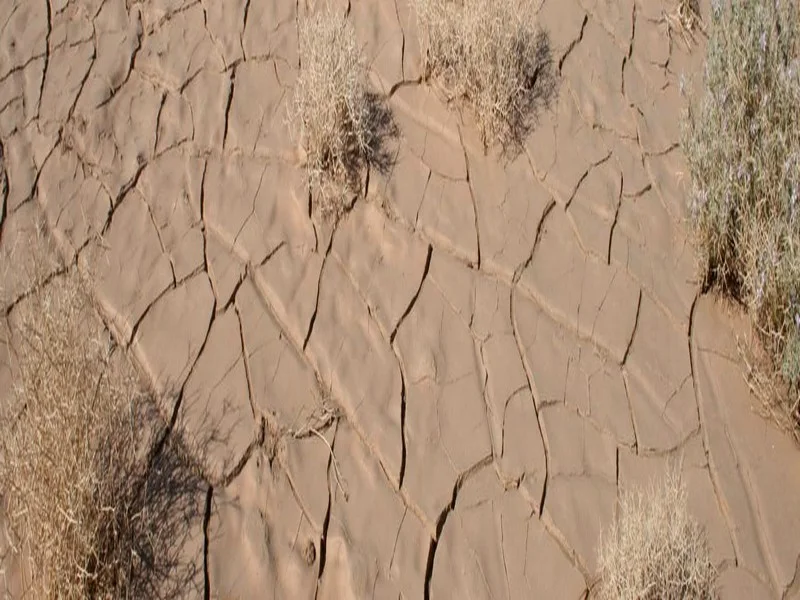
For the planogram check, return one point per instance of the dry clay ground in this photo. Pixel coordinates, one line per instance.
(491, 350)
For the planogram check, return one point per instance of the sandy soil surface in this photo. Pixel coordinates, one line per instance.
(443, 396)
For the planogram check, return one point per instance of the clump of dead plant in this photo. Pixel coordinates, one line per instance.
(490, 56)
(683, 18)
(343, 126)
(655, 550)
(97, 500)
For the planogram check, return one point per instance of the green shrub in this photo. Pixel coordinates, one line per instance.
(742, 142)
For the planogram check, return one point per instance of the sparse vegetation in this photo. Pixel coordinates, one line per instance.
(343, 126)
(742, 142)
(655, 550)
(97, 501)
(684, 19)
(490, 56)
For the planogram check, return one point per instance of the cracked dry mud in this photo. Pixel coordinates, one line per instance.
(491, 350)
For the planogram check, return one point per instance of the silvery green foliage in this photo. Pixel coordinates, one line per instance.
(742, 142)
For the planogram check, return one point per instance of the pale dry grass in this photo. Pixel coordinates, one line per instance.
(96, 501)
(342, 125)
(655, 550)
(742, 143)
(683, 18)
(490, 56)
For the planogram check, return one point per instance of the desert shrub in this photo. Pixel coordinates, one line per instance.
(683, 18)
(342, 126)
(96, 500)
(742, 142)
(655, 550)
(491, 56)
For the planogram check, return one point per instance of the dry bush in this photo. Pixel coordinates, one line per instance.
(490, 56)
(343, 127)
(97, 501)
(655, 550)
(742, 142)
(684, 19)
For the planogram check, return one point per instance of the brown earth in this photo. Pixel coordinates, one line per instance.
(441, 396)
